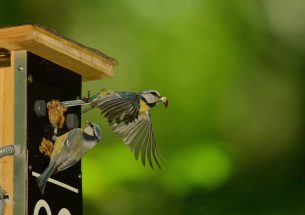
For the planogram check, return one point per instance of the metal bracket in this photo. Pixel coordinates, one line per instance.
(20, 138)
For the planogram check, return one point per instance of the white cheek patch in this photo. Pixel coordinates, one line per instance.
(150, 98)
(88, 130)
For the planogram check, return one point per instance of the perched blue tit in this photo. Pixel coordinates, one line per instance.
(128, 114)
(69, 148)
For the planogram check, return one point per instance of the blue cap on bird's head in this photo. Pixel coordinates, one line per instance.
(93, 129)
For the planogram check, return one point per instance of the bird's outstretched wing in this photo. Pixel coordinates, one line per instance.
(118, 106)
(139, 135)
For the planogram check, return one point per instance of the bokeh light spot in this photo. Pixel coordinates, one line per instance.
(204, 164)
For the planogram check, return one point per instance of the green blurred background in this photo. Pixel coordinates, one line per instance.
(234, 75)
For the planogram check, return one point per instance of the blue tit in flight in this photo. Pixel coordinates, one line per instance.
(128, 114)
(69, 148)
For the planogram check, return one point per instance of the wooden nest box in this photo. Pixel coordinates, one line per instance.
(36, 66)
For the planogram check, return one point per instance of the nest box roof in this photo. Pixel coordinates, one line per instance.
(88, 62)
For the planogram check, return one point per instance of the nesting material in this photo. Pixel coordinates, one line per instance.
(46, 147)
(56, 113)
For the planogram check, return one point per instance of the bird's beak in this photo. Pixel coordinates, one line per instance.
(164, 100)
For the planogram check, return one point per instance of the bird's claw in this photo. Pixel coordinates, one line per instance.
(88, 109)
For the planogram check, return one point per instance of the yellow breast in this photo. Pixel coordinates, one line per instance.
(143, 106)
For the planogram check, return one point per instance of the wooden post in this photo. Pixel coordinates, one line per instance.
(7, 128)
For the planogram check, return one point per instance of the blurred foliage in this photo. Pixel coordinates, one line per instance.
(234, 75)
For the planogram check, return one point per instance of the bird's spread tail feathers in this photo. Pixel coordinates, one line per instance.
(43, 178)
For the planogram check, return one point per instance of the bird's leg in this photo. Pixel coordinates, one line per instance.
(88, 109)
(55, 134)
(54, 138)
(88, 98)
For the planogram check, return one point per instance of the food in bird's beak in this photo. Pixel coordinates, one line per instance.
(164, 100)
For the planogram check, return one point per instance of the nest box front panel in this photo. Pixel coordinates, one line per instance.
(47, 81)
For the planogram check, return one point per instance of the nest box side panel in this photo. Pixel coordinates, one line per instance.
(47, 81)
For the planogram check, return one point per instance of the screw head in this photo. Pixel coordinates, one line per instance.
(20, 68)
(30, 167)
(30, 78)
